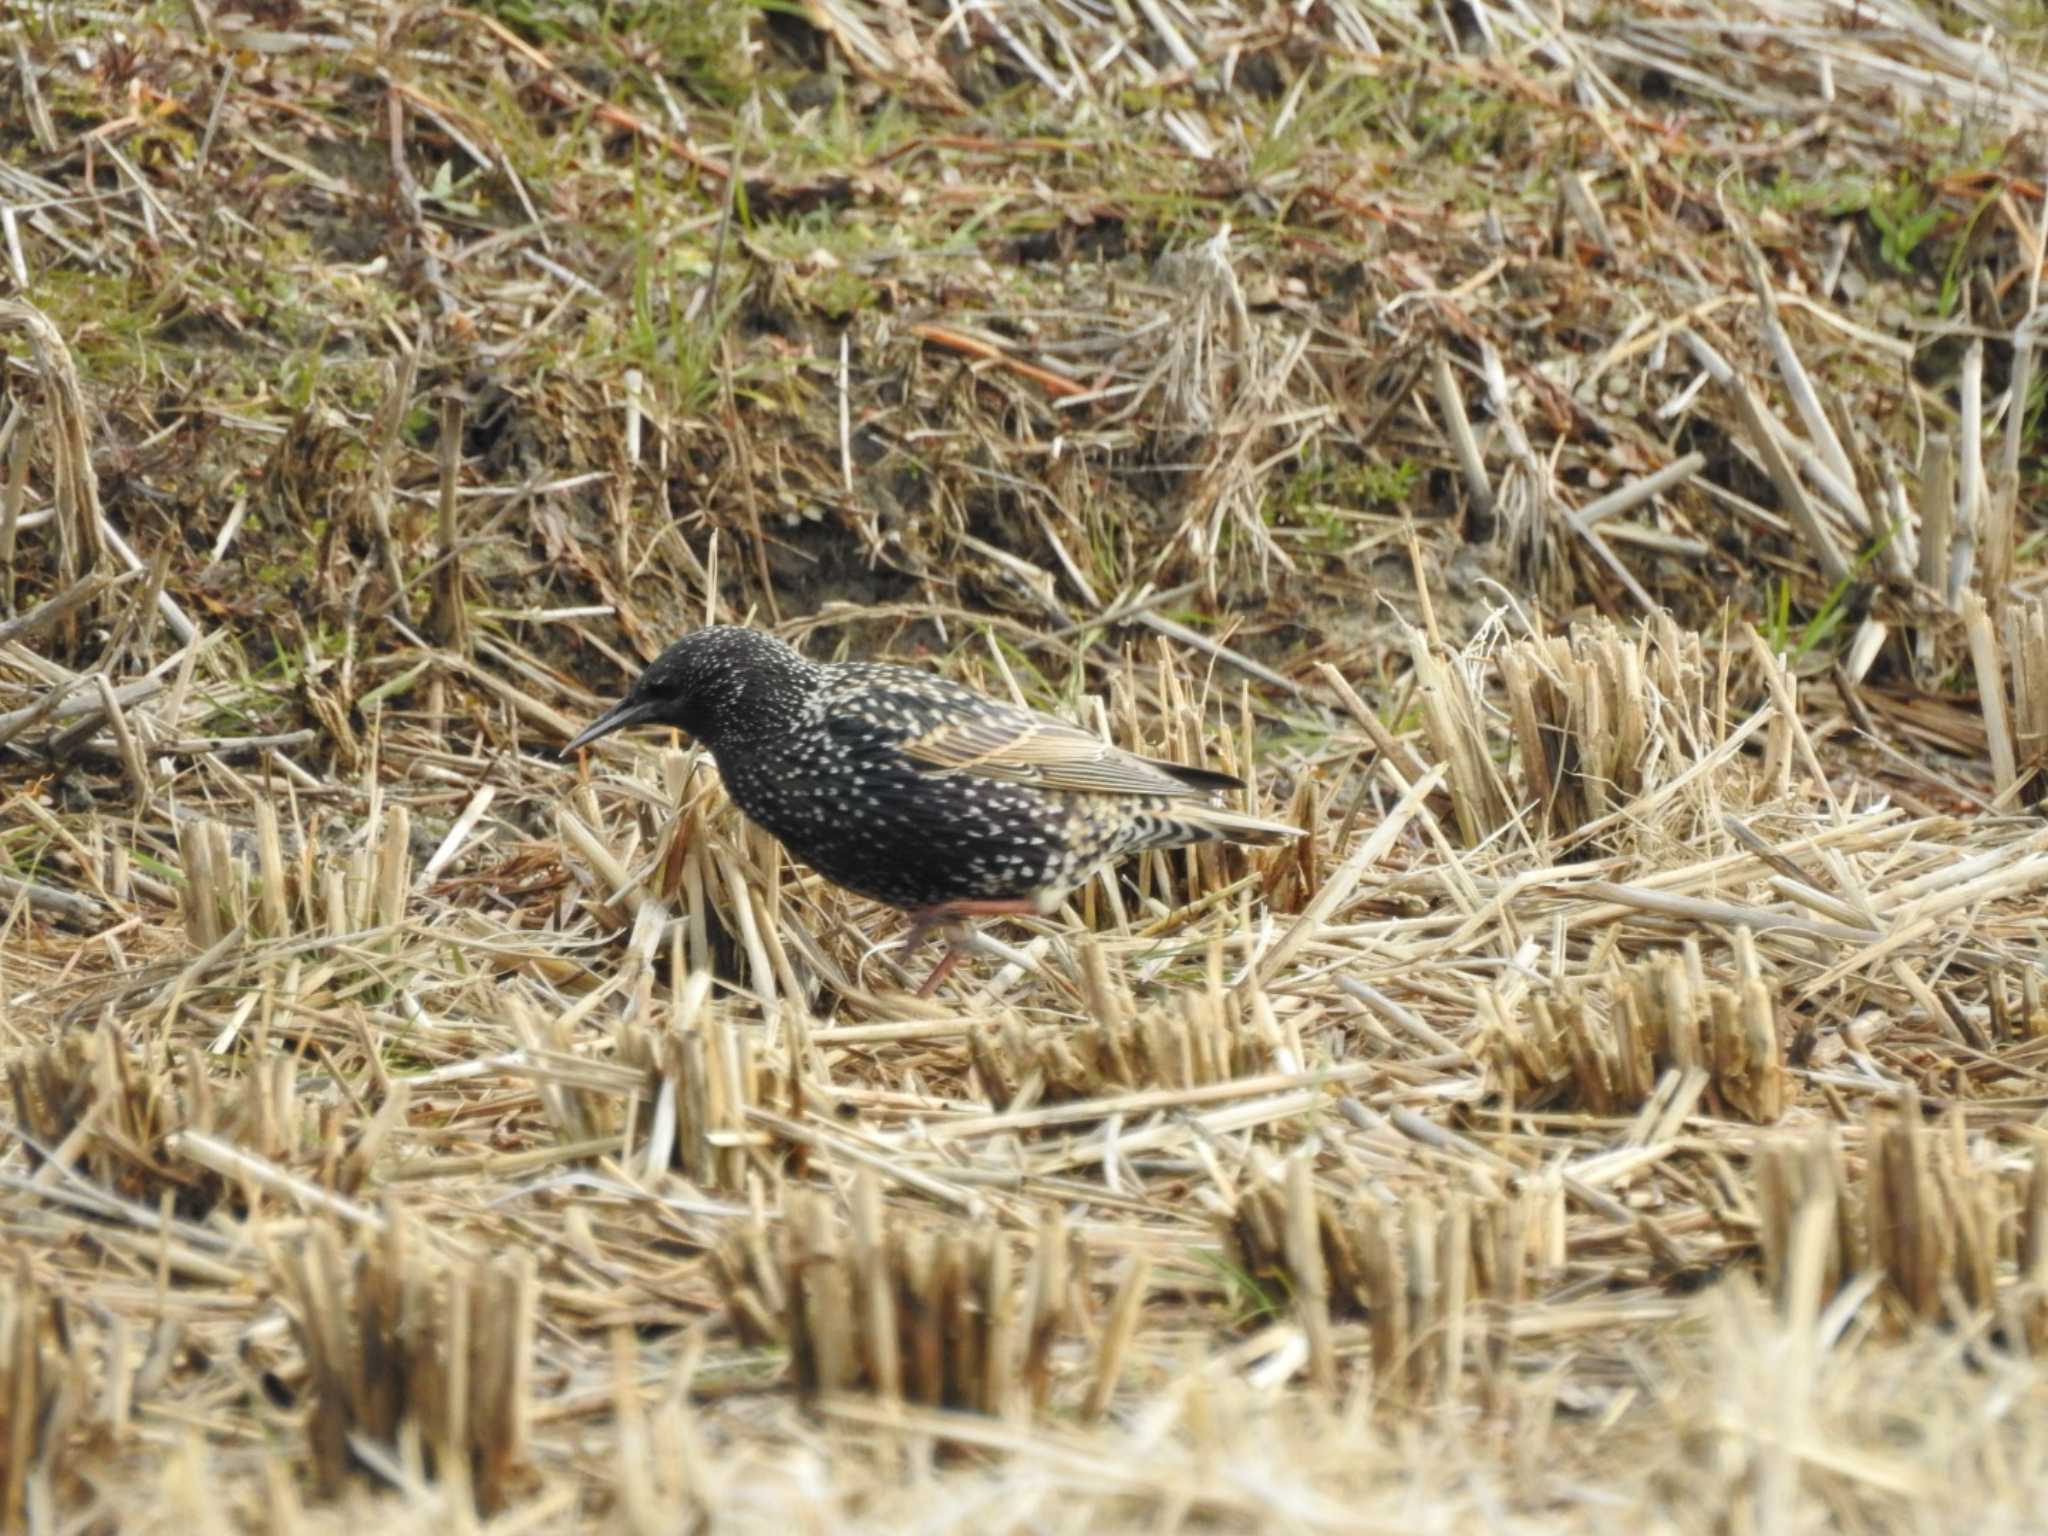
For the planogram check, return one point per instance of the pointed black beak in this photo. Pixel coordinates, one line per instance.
(622, 714)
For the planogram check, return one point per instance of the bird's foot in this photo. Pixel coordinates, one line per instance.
(950, 918)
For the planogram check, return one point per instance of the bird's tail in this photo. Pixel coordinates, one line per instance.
(1236, 827)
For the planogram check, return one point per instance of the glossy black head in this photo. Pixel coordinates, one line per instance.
(715, 684)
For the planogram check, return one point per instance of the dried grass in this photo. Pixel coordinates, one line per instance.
(1580, 467)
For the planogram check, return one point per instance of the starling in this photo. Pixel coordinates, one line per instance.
(917, 792)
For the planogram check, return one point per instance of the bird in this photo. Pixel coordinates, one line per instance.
(916, 791)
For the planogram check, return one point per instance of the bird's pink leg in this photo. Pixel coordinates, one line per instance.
(947, 916)
(940, 971)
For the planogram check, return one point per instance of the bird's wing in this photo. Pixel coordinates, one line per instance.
(944, 727)
(1026, 747)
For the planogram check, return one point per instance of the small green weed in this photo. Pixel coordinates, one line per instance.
(1251, 1301)
(1905, 214)
(1324, 496)
(1820, 629)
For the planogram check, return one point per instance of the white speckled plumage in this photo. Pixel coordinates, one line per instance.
(917, 791)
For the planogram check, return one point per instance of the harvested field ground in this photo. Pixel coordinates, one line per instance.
(1582, 464)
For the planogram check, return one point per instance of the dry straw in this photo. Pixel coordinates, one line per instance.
(1625, 1097)
(410, 1360)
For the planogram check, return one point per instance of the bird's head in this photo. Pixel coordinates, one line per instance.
(715, 683)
